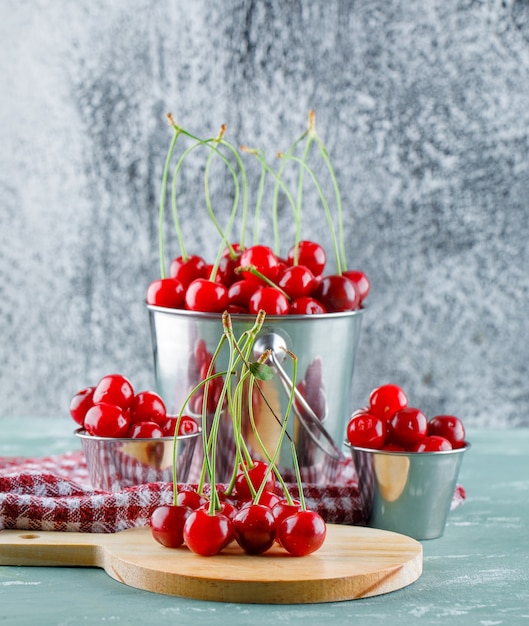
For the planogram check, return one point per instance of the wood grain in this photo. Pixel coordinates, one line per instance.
(354, 562)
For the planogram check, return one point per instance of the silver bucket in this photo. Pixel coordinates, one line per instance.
(325, 347)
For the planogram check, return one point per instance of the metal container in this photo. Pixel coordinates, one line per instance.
(325, 347)
(114, 464)
(407, 492)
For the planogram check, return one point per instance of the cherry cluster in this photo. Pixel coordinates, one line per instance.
(255, 278)
(388, 423)
(208, 524)
(113, 409)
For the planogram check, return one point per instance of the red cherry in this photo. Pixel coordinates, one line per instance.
(337, 293)
(408, 426)
(306, 306)
(263, 259)
(207, 534)
(284, 509)
(270, 300)
(432, 443)
(186, 270)
(254, 528)
(310, 254)
(450, 427)
(145, 430)
(114, 389)
(297, 281)
(190, 498)
(241, 291)
(166, 292)
(228, 264)
(80, 403)
(360, 281)
(366, 431)
(207, 296)
(256, 474)
(302, 533)
(167, 524)
(147, 406)
(106, 420)
(386, 400)
(226, 508)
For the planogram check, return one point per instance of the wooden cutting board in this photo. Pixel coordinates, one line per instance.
(354, 562)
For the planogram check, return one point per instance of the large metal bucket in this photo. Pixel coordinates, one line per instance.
(325, 347)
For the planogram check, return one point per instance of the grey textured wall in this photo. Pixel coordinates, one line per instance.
(424, 107)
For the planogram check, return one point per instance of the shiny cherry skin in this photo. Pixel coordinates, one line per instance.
(366, 431)
(190, 498)
(306, 306)
(206, 534)
(302, 533)
(450, 427)
(167, 524)
(361, 282)
(386, 400)
(166, 292)
(284, 509)
(114, 389)
(147, 406)
(337, 293)
(432, 443)
(254, 528)
(310, 254)
(145, 430)
(407, 427)
(187, 426)
(263, 259)
(206, 296)
(256, 475)
(270, 300)
(297, 281)
(228, 264)
(80, 403)
(106, 420)
(188, 269)
(240, 292)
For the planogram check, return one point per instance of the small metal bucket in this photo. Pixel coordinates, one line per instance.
(115, 464)
(407, 492)
(325, 347)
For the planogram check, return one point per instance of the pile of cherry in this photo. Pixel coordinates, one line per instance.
(388, 423)
(113, 409)
(253, 279)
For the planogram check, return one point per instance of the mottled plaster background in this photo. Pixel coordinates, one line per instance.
(423, 106)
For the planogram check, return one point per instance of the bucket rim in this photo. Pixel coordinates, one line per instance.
(410, 453)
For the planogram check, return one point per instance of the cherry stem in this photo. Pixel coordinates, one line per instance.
(258, 203)
(251, 269)
(298, 477)
(324, 203)
(163, 193)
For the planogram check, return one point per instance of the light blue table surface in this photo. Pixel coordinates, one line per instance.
(477, 573)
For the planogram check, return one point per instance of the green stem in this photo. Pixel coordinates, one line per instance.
(163, 193)
(258, 202)
(300, 199)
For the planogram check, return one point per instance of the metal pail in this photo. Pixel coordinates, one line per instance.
(325, 347)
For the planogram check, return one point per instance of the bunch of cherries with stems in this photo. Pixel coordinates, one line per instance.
(245, 279)
(389, 423)
(249, 509)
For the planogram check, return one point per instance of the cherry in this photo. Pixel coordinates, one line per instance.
(310, 254)
(432, 443)
(263, 259)
(306, 306)
(284, 509)
(297, 281)
(408, 426)
(270, 300)
(366, 431)
(80, 403)
(450, 427)
(240, 292)
(114, 389)
(302, 533)
(188, 269)
(207, 534)
(167, 524)
(337, 293)
(145, 430)
(256, 474)
(106, 420)
(147, 406)
(228, 264)
(226, 508)
(254, 528)
(190, 498)
(360, 281)
(386, 400)
(166, 292)
(207, 296)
